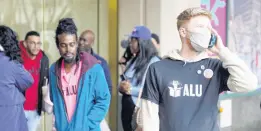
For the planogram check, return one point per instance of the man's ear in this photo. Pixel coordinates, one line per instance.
(182, 32)
(24, 43)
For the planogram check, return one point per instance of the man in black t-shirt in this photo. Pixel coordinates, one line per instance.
(182, 90)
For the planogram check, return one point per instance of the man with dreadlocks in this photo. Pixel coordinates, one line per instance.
(79, 90)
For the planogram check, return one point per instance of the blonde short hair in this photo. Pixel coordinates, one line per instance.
(187, 14)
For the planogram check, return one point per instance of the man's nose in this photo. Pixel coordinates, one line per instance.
(34, 45)
(67, 49)
(81, 43)
(70, 50)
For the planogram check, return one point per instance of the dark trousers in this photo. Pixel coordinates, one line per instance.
(126, 112)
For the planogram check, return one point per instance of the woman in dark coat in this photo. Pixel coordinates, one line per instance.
(14, 80)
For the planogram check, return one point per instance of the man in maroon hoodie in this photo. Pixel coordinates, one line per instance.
(37, 63)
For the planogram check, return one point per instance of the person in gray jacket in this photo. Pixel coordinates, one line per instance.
(14, 80)
(181, 91)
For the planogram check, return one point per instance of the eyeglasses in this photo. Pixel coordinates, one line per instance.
(34, 43)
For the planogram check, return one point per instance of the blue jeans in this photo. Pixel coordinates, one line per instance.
(33, 120)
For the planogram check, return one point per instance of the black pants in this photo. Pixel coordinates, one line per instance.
(126, 112)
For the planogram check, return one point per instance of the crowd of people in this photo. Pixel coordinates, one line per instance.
(176, 92)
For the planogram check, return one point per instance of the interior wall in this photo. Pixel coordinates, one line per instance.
(158, 15)
(103, 36)
(22, 16)
(152, 15)
(129, 16)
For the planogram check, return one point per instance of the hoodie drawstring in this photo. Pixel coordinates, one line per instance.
(185, 62)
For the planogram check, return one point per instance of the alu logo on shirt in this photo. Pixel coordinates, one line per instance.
(177, 89)
(70, 90)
